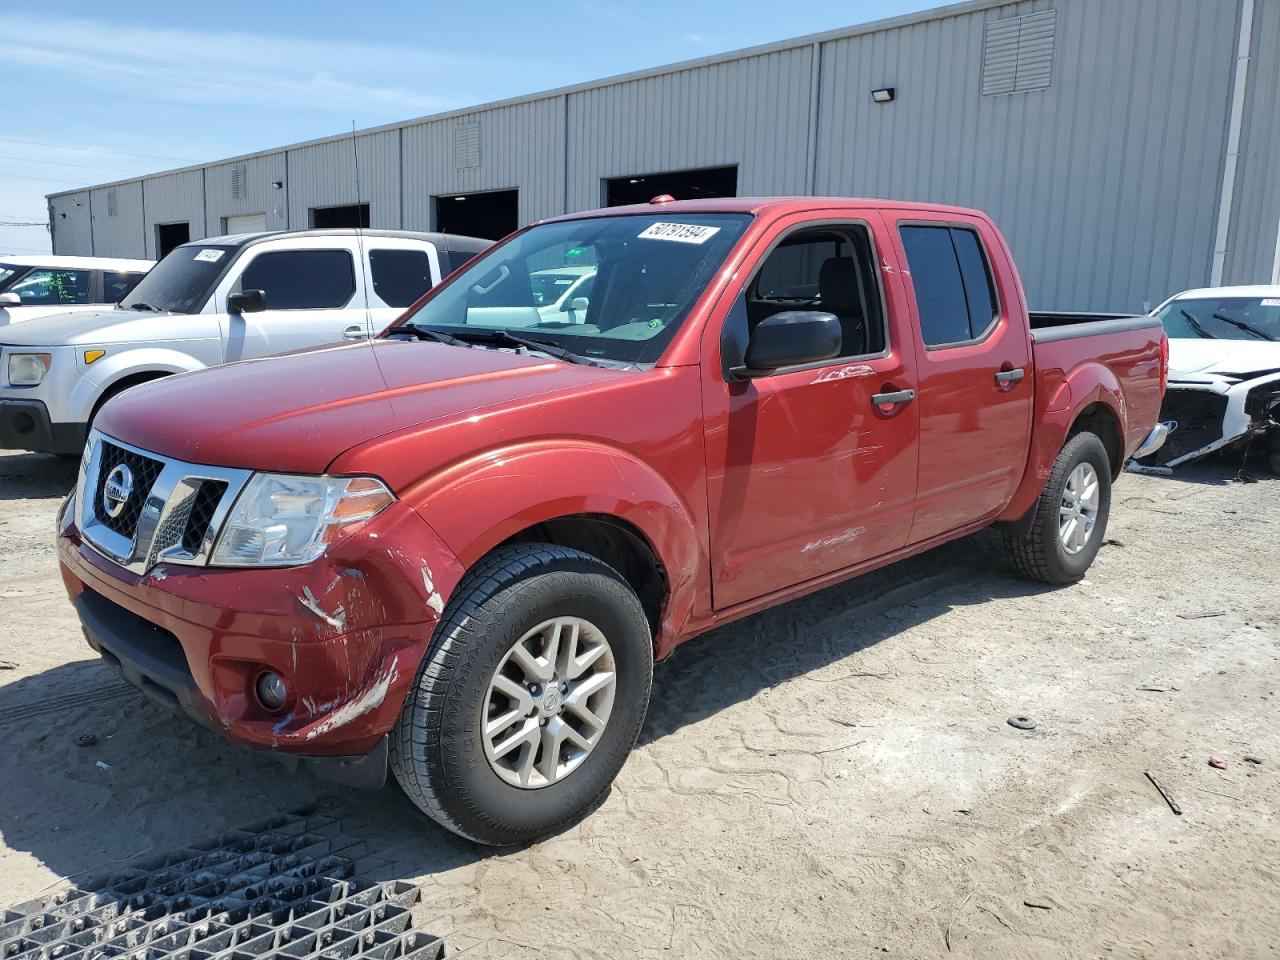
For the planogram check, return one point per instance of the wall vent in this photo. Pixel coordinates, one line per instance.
(113, 205)
(1017, 53)
(239, 182)
(466, 144)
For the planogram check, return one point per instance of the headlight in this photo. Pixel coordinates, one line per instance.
(281, 521)
(28, 369)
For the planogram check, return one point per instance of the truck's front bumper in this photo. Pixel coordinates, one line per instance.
(25, 425)
(346, 633)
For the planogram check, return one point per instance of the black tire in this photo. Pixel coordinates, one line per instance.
(436, 751)
(1037, 552)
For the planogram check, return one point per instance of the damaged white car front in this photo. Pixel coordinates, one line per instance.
(1224, 372)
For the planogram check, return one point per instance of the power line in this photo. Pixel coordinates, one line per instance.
(14, 176)
(60, 163)
(23, 223)
(118, 153)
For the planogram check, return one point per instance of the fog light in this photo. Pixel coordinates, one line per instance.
(272, 693)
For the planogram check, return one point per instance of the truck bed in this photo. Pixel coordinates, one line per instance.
(1050, 325)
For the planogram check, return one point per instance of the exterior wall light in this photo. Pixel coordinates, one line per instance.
(884, 95)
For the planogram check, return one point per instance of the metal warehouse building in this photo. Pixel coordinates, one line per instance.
(1127, 148)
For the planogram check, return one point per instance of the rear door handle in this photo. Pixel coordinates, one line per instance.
(1010, 376)
(892, 399)
(357, 331)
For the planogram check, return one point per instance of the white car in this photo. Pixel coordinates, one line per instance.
(36, 286)
(208, 302)
(1224, 371)
(563, 294)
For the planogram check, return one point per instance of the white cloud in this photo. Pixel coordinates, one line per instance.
(230, 68)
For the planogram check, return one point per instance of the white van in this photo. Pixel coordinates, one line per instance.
(35, 286)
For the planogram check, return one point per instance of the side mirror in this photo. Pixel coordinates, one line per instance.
(10, 300)
(247, 301)
(579, 304)
(789, 339)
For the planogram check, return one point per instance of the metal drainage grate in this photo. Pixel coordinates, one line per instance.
(288, 887)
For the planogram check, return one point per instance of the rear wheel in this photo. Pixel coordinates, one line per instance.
(530, 697)
(1071, 515)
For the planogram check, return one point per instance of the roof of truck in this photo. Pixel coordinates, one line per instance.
(775, 205)
(449, 241)
(76, 263)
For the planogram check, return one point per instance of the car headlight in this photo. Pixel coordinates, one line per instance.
(281, 521)
(28, 369)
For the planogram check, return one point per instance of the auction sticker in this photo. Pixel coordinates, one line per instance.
(209, 256)
(1271, 302)
(680, 232)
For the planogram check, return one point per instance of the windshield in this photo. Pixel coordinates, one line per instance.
(7, 272)
(182, 281)
(634, 280)
(1222, 318)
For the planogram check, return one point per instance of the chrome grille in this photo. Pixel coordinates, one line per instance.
(173, 515)
(144, 470)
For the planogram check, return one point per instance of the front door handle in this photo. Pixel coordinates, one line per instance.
(357, 331)
(1010, 376)
(892, 399)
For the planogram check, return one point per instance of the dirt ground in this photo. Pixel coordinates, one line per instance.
(833, 778)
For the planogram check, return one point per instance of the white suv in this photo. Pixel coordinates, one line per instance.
(208, 302)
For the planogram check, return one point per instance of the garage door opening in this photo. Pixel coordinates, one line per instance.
(489, 216)
(682, 184)
(170, 235)
(350, 215)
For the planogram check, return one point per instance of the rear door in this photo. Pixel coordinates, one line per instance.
(397, 271)
(314, 294)
(806, 473)
(973, 371)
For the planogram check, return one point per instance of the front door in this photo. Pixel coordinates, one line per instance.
(973, 357)
(313, 296)
(807, 474)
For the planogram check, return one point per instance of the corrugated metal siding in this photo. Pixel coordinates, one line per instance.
(72, 230)
(258, 196)
(753, 112)
(1107, 201)
(519, 146)
(174, 198)
(117, 220)
(1255, 218)
(325, 176)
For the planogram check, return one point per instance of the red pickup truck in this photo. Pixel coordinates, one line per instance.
(457, 550)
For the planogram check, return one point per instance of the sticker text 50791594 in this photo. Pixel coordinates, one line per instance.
(679, 232)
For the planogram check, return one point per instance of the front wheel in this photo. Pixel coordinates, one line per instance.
(530, 697)
(1071, 515)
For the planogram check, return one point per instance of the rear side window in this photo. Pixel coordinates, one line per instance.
(116, 286)
(949, 272)
(400, 276)
(302, 279)
(52, 287)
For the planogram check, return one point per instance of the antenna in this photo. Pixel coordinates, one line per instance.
(365, 274)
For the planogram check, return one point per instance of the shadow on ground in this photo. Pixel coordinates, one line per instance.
(36, 476)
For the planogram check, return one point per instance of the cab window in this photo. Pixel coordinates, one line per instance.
(830, 269)
(52, 287)
(302, 279)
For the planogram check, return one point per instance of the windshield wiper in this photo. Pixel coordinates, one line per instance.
(426, 333)
(1246, 327)
(529, 343)
(143, 306)
(1196, 325)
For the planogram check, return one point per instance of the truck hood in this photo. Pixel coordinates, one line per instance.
(1235, 359)
(98, 327)
(296, 413)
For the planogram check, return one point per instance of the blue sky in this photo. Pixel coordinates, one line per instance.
(97, 92)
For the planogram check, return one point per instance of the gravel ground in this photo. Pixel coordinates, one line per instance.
(831, 778)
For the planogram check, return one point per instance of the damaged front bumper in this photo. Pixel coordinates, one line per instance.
(346, 633)
(1209, 412)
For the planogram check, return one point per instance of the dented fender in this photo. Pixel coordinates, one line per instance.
(535, 483)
